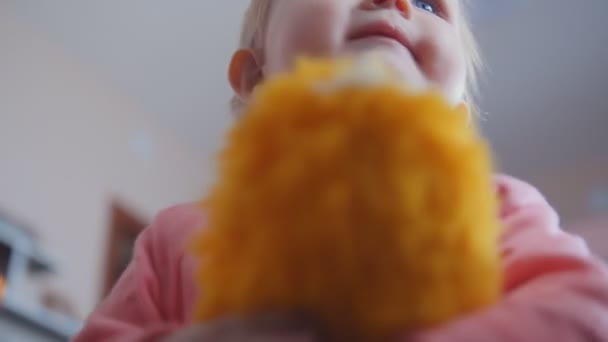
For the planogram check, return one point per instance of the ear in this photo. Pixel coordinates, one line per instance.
(244, 72)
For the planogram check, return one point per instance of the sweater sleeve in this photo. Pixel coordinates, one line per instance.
(144, 305)
(555, 289)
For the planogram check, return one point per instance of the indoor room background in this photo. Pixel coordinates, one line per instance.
(113, 110)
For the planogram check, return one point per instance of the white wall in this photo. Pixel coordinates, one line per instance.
(64, 154)
(595, 232)
(569, 189)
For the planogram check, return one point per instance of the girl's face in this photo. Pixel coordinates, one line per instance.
(419, 38)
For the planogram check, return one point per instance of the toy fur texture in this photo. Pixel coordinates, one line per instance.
(347, 197)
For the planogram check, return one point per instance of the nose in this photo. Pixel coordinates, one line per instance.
(403, 6)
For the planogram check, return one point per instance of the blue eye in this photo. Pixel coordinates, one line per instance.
(425, 5)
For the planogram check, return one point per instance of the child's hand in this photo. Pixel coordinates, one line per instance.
(259, 329)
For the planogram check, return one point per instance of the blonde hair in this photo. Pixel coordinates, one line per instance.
(256, 19)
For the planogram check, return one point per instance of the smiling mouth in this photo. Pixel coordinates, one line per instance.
(380, 29)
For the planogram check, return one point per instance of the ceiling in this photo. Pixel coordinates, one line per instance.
(543, 91)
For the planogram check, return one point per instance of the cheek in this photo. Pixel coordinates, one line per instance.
(441, 56)
(309, 28)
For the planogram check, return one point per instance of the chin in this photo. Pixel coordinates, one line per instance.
(406, 68)
(396, 57)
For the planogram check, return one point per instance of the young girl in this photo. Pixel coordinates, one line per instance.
(555, 290)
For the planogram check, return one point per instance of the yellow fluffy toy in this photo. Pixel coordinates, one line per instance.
(344, 195)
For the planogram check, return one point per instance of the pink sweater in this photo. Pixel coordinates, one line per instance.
(555, 289)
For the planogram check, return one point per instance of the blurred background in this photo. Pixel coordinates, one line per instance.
(112, 110)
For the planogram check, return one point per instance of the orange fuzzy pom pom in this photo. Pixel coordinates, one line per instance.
(344, 196)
